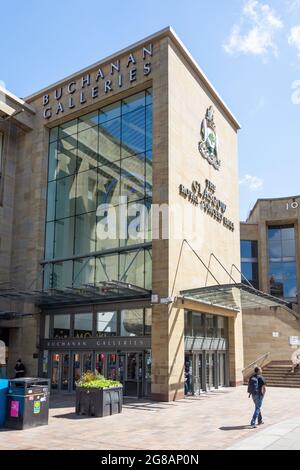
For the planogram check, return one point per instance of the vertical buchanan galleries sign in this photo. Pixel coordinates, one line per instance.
(104, 80)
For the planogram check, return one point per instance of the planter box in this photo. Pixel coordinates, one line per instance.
(99, 402)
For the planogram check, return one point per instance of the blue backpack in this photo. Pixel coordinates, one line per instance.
(253, 387)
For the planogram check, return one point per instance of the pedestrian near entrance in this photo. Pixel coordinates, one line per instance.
(19, 369)
(257, 390)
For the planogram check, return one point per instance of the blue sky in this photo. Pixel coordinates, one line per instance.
(249, 49)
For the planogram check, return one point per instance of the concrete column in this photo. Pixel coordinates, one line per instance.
(236, 354)
(167, 353)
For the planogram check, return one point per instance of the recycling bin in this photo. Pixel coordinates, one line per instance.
(27, 403)
(3, 396)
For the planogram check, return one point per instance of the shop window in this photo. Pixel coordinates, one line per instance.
(198, 325)
(210, 326)
(61, 326)
(83, 325)
(222, 327)
(132, 322)
(106, 324)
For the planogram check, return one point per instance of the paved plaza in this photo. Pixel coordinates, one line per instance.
(218, 420)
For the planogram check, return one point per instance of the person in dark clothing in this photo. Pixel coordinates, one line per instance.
(257, 390)
(19, 369)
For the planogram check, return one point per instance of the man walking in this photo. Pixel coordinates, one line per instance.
(19, 369)
(257, 390)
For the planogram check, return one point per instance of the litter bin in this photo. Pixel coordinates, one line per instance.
(27, 403)
(3, 394)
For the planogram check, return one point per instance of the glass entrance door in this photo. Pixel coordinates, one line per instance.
(188, 374)
(197, 373)
(64, 376)
(210, 370)
(82, 362)
(147, 383)
(222, 369)
(60, 370)
(55, 371)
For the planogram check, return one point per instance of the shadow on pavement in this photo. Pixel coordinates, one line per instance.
(234, 428)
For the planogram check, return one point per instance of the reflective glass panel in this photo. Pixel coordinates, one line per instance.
(64, 237)
(86, 191)
(133, 133)
(107, 268)
(132, 268)
(106, 324)
(65, 197)
(62, 274)
(83, 325)
(84, 271)
(109, 141)
(85, 233)
(87, 149)
(133, 177)
(67, 154)
(132, 322)
(61, 326)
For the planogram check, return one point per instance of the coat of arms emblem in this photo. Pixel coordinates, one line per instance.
(208, 146)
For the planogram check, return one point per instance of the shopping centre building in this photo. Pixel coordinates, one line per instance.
(119, 227)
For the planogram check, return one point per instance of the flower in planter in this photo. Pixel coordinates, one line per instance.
(95, 380)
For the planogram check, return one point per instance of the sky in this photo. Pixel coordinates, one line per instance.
(249, 49)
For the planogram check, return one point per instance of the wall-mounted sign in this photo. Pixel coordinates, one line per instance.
(292, 205)
(294, 341)
(104, 80)
(208, 146)
(207, 201)
(108, 344)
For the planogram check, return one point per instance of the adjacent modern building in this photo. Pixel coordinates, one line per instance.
(119, 227)
(270, 257)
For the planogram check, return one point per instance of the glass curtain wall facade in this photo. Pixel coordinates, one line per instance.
(282, 262)
(249, 262)
(101, 160)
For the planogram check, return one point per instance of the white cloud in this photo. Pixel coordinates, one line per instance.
(252, 182)
(255, 32)
(293, 5)
(294, 38)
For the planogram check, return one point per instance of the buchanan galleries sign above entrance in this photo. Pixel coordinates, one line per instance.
(207, 201)
(102, 81)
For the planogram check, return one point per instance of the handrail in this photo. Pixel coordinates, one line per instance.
(257, 360)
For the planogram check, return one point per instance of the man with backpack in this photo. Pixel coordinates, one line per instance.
(257, 390)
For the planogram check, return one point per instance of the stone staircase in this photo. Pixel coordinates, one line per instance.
(280, 375)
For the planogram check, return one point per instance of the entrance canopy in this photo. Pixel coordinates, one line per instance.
(231, 296)
(85, 294)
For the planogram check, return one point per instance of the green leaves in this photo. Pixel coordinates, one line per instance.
(95, 380)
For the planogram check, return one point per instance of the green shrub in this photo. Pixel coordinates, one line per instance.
(95, 380)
